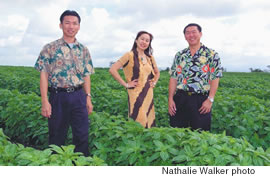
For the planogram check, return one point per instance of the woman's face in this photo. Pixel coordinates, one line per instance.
(143, 42)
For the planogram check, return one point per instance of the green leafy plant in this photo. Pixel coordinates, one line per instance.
(241, 110)
(16, 154)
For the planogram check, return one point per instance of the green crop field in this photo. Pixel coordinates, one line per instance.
(240, 133)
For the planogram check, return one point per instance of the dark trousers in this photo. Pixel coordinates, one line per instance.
(187, 112)
(69, 109)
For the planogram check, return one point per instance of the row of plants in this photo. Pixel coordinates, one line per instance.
(121, 141)
(21, 119)
(16, 154)
(108, 95)
(124, 142)
(23, 79)
(240, 107)
(26, 80)
(240, 110)
(243, 116)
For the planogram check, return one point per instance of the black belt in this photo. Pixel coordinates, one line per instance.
(68, 89)
(191, 93)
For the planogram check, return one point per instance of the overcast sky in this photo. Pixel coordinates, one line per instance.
(239, 30)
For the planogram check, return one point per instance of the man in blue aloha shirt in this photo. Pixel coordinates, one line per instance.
(65, 67)
(193, 84)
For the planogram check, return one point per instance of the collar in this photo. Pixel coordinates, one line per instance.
(201, 46)
(200, 50)
(65, 43)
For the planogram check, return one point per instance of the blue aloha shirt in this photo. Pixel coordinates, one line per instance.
(65, 66)
(194, 74)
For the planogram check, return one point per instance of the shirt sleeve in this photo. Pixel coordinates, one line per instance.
(173, 71)
(124, 59)
(88, 68)
(215, 67)
(42, 63)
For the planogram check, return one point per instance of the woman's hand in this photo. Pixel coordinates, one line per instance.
(152, 83)
(132, 84)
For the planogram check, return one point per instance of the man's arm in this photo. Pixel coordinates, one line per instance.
(46, 109)
(213, 88)
(207, 104)
(87, 90)
(171, 103)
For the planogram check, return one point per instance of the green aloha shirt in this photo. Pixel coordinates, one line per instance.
(193, 74)
(65, 66)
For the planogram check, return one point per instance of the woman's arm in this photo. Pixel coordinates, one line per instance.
(114, 72)
(154, 81)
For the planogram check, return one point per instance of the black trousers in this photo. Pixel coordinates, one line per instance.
(187, 111)
(69, 109)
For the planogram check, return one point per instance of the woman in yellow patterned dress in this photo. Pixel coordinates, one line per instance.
(141, 75)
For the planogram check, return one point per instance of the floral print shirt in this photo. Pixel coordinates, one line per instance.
(65, 66)
(193, 74)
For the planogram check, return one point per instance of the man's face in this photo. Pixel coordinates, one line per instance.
(70, 26)
(193, 35)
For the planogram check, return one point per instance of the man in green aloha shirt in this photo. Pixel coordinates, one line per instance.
(65, 67)
(193, 84)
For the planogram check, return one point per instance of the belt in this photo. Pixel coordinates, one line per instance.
(68, 89)
(191, 93)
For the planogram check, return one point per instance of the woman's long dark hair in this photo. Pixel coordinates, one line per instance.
(149, 51)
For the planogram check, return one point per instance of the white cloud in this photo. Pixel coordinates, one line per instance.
(105, 35)
(238, 30)
(14, 26)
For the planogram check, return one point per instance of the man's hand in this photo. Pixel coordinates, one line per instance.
(89, 105)
(46, 109)
(171, 107)
(206, 107)
(171, 103)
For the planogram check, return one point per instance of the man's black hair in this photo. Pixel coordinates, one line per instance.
(70, 13)
(193, 24)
